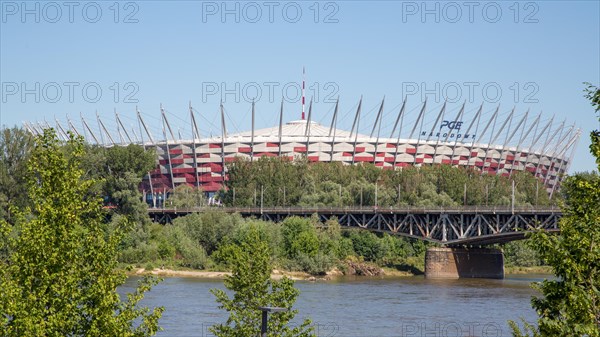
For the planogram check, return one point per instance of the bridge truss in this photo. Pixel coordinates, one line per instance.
(447, 226)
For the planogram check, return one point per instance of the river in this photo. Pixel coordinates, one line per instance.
(352, 307)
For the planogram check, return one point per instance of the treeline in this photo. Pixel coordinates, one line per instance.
(117, 170)
(206, 240)
(281, 182)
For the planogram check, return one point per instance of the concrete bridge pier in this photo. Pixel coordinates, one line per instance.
(454, 263)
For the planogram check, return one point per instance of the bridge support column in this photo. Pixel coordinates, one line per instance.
(453, 263)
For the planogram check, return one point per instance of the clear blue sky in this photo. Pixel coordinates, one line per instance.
(170, 52)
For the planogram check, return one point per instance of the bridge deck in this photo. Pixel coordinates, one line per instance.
(449, 226)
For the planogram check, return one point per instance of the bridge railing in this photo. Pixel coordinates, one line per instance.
(364, 209)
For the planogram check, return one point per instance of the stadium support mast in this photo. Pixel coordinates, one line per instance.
(86, 126)
(378, 129)
(536, 138)
(195, 132)
(412, 132)
(437, 120)
(420, 119)
(334, 118)
(119, 123)
(100, 128)
(223, 126)
(332, 129)
(508, 138)
(40, 128)
(493, 138)
(71, 126)
(377, 119)
(195, 136)
(223, 136)
(168, 148)
(140, 124)
(563, 153)
(33, 127)
(308, 120)
(252, 133)
(492, 120)
(166, 121)
(357, 122)
(134, 134)
(61, 131)
(307, 132)
(356, 117)
(401, 118)
(106, 131)
(303, 96)
(477, 117)
(47, 124)
(457, 118)
(141, 121)
(121, 139)
(280, 124)
(518, 150)
(556, 147)
(547, 142)
(29, 128)
(398, 118)
(523, 119)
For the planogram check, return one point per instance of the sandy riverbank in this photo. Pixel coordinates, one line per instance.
(276, 275)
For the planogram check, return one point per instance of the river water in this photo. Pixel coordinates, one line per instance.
(352, 307)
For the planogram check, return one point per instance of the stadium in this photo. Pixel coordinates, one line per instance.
(492, 142)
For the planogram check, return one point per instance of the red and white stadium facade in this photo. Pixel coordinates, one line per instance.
(496, 144)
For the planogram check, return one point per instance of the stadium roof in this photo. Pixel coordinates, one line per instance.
(298, 128)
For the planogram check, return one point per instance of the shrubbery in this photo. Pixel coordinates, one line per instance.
(303, 183)
(208, 240)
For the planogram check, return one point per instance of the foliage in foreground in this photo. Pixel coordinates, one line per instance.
(570, 305)
(60, 277)
(252, 288)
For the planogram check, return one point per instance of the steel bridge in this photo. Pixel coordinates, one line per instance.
(448, 226)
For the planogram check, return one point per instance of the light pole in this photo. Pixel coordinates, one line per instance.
(261, 198)
(265, 319)
(376, 194)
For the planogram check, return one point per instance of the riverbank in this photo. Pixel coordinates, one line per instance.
(276, 274)
(301, 276)
(516, 270)
(163, 272)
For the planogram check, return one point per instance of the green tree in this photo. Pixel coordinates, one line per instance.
(253, 288)
(61, 277)
(520, 253)
(119, 171)
(185, 196)
(15, 148)
(299, 237)
(208, 228)
(570, 305)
